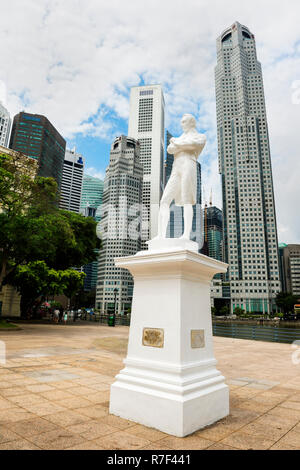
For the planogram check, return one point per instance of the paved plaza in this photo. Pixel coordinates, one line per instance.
(54, 393)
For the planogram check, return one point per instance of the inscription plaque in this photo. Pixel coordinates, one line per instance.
(197, 339)
(153, 337)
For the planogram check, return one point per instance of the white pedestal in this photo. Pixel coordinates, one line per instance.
(170, 381)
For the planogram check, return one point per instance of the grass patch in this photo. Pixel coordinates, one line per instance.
(6, 325)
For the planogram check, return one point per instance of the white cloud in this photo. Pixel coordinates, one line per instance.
(91, 171)
(76, 60)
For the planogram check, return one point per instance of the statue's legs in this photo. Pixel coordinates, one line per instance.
(164, 208)
(188, 220)
(163, 220)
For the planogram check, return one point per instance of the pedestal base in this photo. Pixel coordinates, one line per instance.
(175, 409)
(170, 381)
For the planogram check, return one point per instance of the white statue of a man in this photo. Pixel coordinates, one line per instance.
(182, 185)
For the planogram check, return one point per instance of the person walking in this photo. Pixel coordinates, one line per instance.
(56, 315)
(65, 317)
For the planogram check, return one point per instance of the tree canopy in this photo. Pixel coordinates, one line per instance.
(38, 241)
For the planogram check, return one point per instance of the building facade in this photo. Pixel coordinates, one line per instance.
(36, 137)
(91, 197)
(120, 224)
(91, 201)
(146, 124)
(290, 268)
(5, 124)
(249, 229)
(213, 232)
(72, 180)
(176, 223)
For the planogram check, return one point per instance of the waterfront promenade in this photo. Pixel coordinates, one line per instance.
(54, 393)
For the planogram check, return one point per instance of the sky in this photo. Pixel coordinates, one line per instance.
(75, 61)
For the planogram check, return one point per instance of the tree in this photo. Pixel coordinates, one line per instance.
(286, 301)
(36, 237)
(238, 311)
(225, 310)
(36, 280)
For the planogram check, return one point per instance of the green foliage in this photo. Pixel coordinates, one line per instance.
(286, 301)
(38, 241)
(213, 310)
(239, 312)
(225, 310)
(36, 279)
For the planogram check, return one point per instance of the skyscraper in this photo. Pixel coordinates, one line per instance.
(91, 198)
(290, 260)
(213, 232)
(91, 201)
(120, 223)
(176, 223)
(36, 137)
(5, 123)
(71, 183)
(250, 232)
(146, 124)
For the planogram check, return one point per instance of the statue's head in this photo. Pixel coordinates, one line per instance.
(188, 122)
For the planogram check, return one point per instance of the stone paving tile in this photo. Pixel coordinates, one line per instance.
(117, 422)
(5, 404)
(7, 435)
(122, 440)
(156, 446)
(31, 427)
(5, 384)
(92, 429)
(218, 431)
(96, 411)
(292, 438)
(147, 433)
(56, 440)
(97, 397)
(21, 444)
(100, 387)
(282, 446)
(192, 442)
(27, 399)
(246, 441)
(55, 395)
(293, 405)
(219, 446)
(73, 403)
(66, 418)
(39, 388)
(81, 390)
(285, 412)
(87, 445)
(43, 409)
(12, 392)
(260, 429)
(13, 415)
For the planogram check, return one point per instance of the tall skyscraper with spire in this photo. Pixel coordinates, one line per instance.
(120, 224)
(146, 124)
(249, 220)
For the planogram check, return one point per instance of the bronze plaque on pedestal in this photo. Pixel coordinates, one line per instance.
(197, 339)
(153, 337)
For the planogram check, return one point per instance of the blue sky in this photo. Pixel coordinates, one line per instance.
(75, 61)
